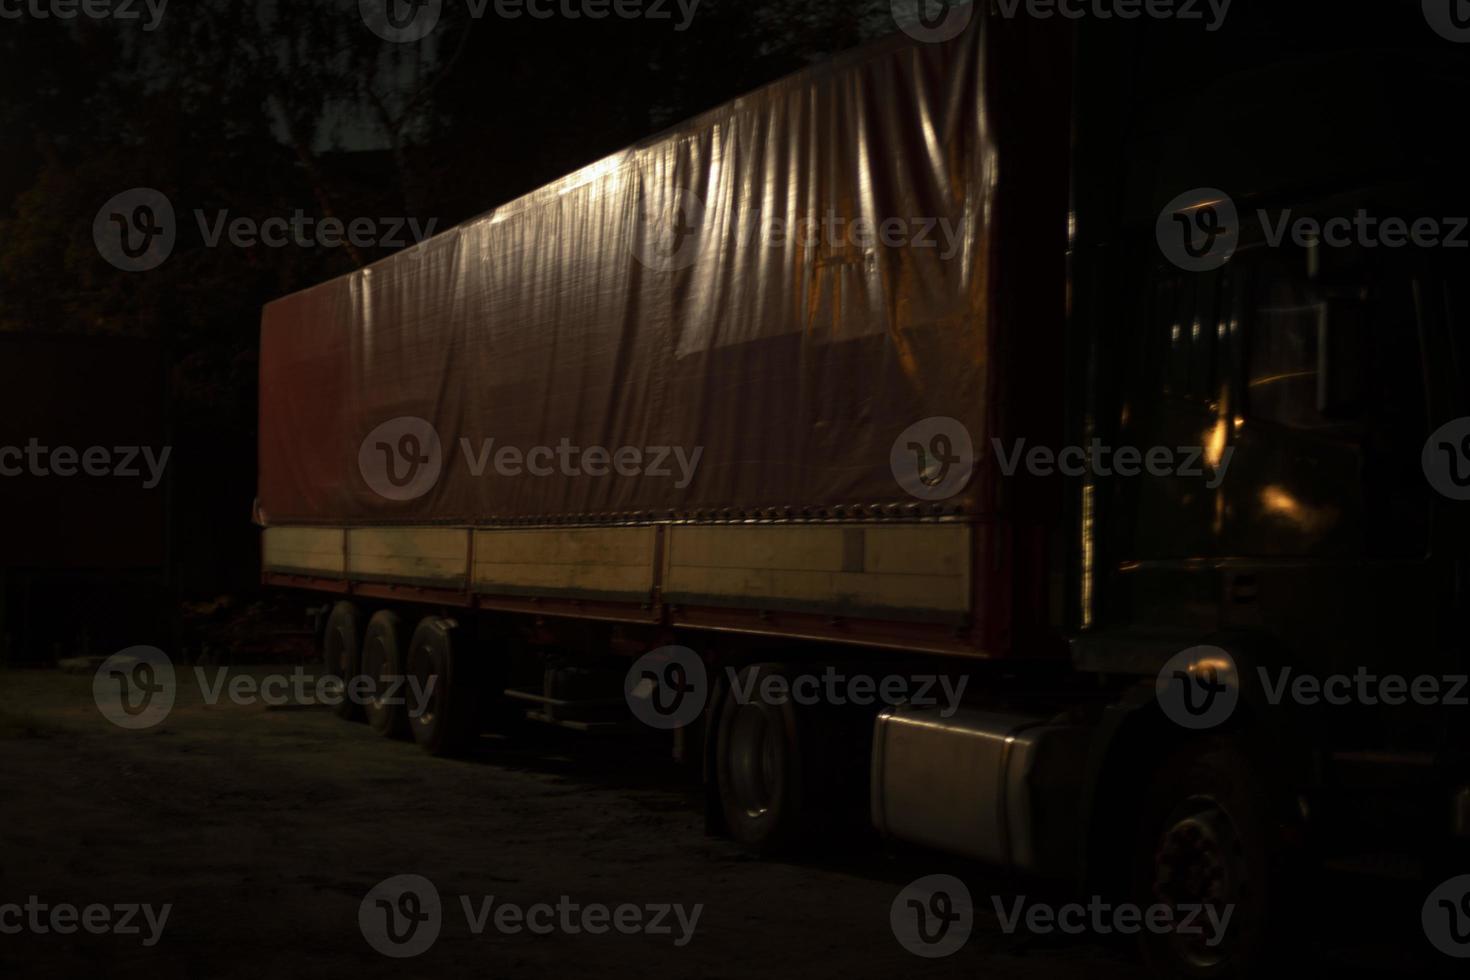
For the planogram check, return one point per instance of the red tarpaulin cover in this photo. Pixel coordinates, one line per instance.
(782, 286)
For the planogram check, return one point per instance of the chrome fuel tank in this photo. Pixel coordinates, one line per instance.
(1002, 788)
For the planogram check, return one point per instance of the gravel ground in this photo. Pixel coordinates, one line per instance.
(264, 830)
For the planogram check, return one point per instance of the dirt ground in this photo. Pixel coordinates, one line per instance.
(266, 828)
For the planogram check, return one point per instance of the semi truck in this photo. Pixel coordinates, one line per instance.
(1026, 360)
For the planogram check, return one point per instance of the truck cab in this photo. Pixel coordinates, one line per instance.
(1306, 330)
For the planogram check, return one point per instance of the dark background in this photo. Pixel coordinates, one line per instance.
(261, 110)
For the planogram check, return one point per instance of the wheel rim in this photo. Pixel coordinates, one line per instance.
(1200, 860)
(754, 761)
(377, 665)
(426, 674)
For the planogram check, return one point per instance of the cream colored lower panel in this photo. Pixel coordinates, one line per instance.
(615, 561)
(412, 555)
(919, 570)
(304, 551)
(922, 568)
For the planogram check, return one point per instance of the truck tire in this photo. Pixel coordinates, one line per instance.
(1205, 838)
(342, 652)
(759, 767)
(439, 665)
(384, 662)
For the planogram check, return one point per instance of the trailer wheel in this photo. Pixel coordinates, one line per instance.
(341, 652)
(439, 667)
(759, 767)
(384, 664)
(1205, 840)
